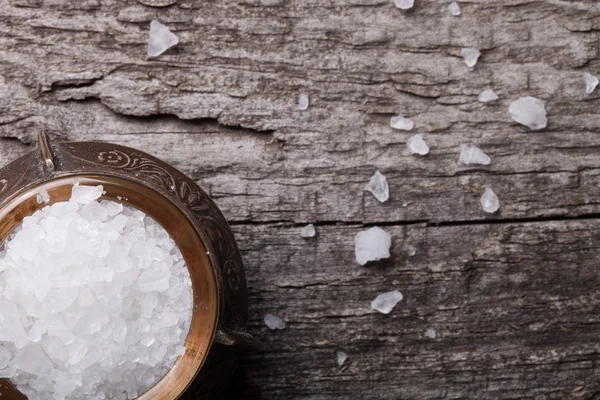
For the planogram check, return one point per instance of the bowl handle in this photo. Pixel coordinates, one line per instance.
(240, 339)
(46, 151)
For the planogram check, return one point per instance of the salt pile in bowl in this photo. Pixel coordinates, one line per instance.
(95, 301)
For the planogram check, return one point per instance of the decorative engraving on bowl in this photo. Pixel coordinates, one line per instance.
(196, 202)
(231, 272)
(14, 174)
(112, 157)
(138, 164)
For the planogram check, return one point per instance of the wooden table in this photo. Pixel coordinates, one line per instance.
(513, 297)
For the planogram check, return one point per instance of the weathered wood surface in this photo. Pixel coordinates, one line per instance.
(513, 297)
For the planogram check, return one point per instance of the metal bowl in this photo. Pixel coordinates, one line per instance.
(217, 332)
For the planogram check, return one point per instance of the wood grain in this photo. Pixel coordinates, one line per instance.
(512, 296)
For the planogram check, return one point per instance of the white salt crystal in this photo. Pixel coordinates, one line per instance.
(34, 360)
(590, 83)
(341, 357)
(42, 196)
(404, 4)
(112, 208)
(5, 357)
(78, 351)
(470, 154)
(385, 302)
(401, 123)
(308, 231)
(303, 101)
(489, 201)
(416, 145)
(470, 56)
(372, 245)
(530, 112)
(487, 95)
(379, 187)
(101, 311)
(273, 322)
(431, 333)
(412, 250)
(160, 39)
(81, 194)
(454, 9)
(12, 329)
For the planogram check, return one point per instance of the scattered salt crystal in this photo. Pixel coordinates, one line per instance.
(454, 9)
(404, 4)
(431, 333)
(470, 154)
(84, 325)
(470, 56)
(530, 112)
(273, 322)
(416, 145)
(385, 302)
(401, 123)
(412, 250)
(341, 357)
(308, 231)
(489, 201)
(590, 82)
(372, 245)
(42, 196)
(160, 39)
(487, 95)
(303, 101)
(379, 187)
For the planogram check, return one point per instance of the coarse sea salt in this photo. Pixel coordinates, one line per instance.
(308, 231)
(404, 4)
(160, 39)
(372, 245)
(487, 95)
(431, 333)
(303, 102)
(470, 154)
(401, 123)
(489, 201)
(454, 9)
(470, 56)
(416, 145)
(42, 196)
(529, 111)
(591, 82)
(95, 301)
(341, 357)
(385, 302)
(379, 187)
(273, 322)
(411, 250)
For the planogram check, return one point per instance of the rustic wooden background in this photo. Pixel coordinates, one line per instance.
(513, 297)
